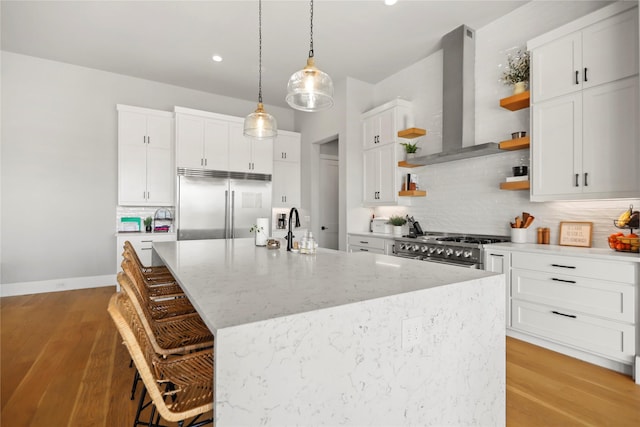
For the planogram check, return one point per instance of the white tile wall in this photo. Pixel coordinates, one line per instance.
(142, 212)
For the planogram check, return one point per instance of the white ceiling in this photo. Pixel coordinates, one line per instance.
(173, 41)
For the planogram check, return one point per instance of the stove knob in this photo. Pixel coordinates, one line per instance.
(448, 252)
(416, 248)
(424, 249)
(432, 250)
(467, 254)
(458, 252)
(402, 246)
(439, 250)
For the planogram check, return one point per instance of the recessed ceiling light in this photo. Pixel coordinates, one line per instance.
(390, 2)
(217, 58)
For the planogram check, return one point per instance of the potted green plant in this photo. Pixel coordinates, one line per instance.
(410, 148)
(147, 224)
(397, 221)
(517, 72)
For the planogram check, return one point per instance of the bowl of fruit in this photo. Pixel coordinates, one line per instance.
(624, 243)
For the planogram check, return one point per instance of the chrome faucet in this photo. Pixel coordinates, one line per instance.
(290, 235)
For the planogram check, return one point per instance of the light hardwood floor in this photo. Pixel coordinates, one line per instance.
(63, 365)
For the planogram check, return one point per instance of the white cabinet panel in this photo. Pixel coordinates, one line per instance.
(610, 339)
(145, 157)
(249, 155)
(554, 68)
(380, 176)
(143, 245)
(286, 184)
(216, 145)
(286, 147)
(500, 262)
(203, 143)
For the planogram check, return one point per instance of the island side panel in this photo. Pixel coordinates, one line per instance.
(347, 366)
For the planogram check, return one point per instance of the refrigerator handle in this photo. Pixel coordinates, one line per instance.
(233, 214)
(226, 214)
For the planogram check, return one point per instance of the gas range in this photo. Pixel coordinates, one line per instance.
(466, 250)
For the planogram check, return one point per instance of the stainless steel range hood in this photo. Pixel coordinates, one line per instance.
(458, 101)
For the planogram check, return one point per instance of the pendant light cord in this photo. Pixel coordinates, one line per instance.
(311, 27)
(260, 51)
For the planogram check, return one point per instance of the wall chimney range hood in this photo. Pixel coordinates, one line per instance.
(458, 101)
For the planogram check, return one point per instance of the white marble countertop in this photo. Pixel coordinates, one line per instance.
(233, 282)
(600, 253)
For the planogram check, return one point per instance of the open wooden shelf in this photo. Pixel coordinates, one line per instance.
(515, 185)
(411, 133)
(412, 193)
(404, 164)
(516, 102)
(515, 144)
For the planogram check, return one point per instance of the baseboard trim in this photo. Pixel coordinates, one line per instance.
(623, 368)
(57, 285)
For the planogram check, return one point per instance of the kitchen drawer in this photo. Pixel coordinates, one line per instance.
(356, 248)
(368, 242)
(624, 272)
(611, 300)
(603, 337)
(143, 245)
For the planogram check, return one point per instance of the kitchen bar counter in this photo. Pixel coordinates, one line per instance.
(350, 339)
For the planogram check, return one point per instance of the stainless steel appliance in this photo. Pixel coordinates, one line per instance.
(220, 204)
(465, 250)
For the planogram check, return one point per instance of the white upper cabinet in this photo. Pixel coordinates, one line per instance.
(380, 125)
(145, 157)
(286, 170)
(286, 147)
(247, 154)
(599, 53)
(380, 176)
(203, 142)
(585, 129)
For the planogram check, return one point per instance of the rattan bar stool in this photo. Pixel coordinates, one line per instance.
(170, 336)
(159, 308)
(159, 280)
(180, 387)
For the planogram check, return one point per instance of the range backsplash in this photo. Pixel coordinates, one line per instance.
(464, 197)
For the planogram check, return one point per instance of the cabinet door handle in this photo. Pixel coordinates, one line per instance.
(205, 161)
(577, 73)
(201, 162)
(577, 175)
(586, 184)
(565, 315)
(562, 280)
(148, 140)
(562, 266)
(585, 74)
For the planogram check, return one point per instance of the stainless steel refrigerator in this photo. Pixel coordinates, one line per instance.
(220, 204)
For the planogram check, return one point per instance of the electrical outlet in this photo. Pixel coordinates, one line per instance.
(411, 332)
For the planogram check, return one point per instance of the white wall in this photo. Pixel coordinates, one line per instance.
(464, 196)
(59, 162)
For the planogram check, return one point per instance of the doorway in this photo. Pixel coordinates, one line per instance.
(328, 197)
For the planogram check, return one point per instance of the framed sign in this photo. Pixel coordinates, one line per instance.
(575, 234)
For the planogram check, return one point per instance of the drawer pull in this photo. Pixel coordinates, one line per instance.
(562, 266)
(363, 242)
(500, 255)
(145, 249)
(364, 250)
(563, 280)
(565, 315)
(146, 241)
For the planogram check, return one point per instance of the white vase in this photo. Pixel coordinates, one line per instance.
(397, 230)
(519, 87)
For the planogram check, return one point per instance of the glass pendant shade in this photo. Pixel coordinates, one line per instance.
(260, 124)
(310, 89)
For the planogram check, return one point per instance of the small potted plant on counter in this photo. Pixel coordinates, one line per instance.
(147, 224)
(261, 237)
(397, 221)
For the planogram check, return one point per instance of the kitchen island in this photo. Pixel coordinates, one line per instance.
(345, 339)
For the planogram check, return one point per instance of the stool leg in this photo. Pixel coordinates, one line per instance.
(136, 378)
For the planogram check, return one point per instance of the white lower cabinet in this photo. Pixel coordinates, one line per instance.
(143, 244)
(583, 303)
(376, 245)
(603, 337)
(499, 261)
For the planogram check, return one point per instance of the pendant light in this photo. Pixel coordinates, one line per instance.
(260, 124)
(310, 89)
